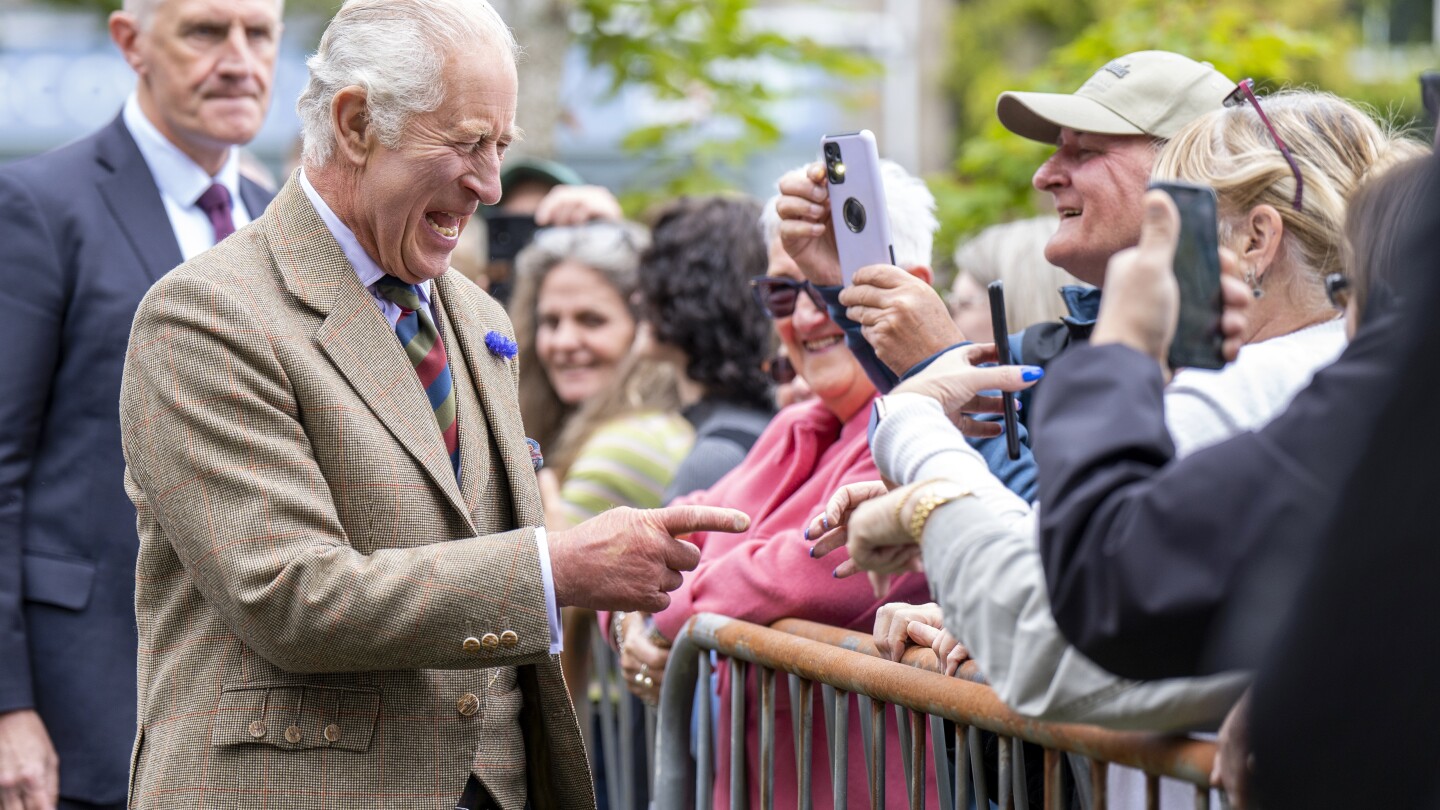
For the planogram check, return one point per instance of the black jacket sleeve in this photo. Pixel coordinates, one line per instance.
(1140, 550)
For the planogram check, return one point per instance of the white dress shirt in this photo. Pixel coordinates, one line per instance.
(370, 272)
(181, 182)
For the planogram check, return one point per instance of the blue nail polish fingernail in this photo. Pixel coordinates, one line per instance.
(807, 533)
(825, 522)
(812, 551)
(1031, 373)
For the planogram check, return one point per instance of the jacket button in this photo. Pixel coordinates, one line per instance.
(332, 733)
(257, 729)
(468, 704)
(509, 638)
(292, 734)
(471, 644)
(490, 641)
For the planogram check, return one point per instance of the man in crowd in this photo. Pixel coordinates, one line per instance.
(345, 593)
(1107, 135)
(87, 228)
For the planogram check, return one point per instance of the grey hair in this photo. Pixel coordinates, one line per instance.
(911, 208)
(144, 10)
(396, 50)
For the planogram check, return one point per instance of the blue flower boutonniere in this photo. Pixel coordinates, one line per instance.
(499, 345)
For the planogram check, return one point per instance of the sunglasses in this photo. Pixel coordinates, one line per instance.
(1337, 289)
(1245, 92)
(777, 295)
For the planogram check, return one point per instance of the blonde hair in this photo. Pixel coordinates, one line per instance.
(1337, 147)
(1014, 253)
(613, 250)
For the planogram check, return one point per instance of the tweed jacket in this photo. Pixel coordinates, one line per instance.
(327, 618)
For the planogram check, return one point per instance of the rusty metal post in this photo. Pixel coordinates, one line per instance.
(704, 746)
(877, 755)
(944, 784)
(1099, 785)
(805, 701)
(840, 759)
(917, 760)
(1017, 774)
(767, 738)
(739, 794)
(977, 767)
(1007, 785)
(1053, 780)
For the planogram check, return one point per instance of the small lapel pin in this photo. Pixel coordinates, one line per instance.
(499, 345)
(537, 459)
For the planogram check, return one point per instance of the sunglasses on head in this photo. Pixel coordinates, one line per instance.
(1245, 92)
(777, 295)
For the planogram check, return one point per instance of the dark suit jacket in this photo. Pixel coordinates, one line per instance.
(83, 235)
(1141, 554)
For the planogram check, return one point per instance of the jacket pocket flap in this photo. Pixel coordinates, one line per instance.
(61, 581)
(296, 718)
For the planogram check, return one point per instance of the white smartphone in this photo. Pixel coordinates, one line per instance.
(857, 201)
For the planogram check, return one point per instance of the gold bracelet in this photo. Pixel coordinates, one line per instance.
(909, 496)
(933, 495)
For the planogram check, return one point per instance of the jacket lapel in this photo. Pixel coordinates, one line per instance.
(130, 194)
(494, 379)
(354, 334)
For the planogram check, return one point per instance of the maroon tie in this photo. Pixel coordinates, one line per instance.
(215, 202)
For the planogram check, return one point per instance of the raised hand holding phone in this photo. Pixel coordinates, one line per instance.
(1198, 338)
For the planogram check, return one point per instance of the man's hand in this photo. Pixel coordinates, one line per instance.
(955, 381)
(900, 314)
(642, 660)
(29, 768)
(630, 559)
(577, 205)
(804, 209)
(1141, 304)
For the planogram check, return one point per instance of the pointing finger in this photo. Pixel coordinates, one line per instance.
(680, 520)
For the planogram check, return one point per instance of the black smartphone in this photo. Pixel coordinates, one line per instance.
(1198, 339)
(509, 234)
(1001, 330)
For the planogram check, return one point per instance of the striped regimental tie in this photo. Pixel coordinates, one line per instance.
(426, 350)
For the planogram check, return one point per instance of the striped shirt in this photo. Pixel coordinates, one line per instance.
(627, 462)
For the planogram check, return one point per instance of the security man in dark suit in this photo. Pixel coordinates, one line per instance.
(86, 229)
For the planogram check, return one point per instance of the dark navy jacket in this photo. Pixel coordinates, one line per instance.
(83, 235)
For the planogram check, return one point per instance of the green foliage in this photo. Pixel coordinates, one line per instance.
(700, 53)
(1037, 45)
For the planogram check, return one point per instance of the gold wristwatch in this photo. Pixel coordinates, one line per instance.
(931, 497)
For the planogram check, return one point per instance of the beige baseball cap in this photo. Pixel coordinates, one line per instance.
(1152, 93)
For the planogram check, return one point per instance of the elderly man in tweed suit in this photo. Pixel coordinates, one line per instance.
(344, 599)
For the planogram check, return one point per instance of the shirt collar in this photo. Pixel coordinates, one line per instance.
(1083, 302)
(177, 176)
(365, 267)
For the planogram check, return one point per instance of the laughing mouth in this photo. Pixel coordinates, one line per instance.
(1067, 213)
(443, 223)
(821, 344)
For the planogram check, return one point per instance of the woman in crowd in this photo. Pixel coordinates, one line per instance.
(1014, 253)
(694, 283)
(980, 542)
(607, 418)
(809, 450)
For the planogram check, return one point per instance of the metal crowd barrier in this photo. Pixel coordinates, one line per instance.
(846, 663)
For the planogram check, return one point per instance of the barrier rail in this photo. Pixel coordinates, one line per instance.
(845, 663)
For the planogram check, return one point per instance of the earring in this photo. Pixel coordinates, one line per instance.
(1253, 282)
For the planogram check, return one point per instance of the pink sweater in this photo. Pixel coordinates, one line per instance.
(767, 574)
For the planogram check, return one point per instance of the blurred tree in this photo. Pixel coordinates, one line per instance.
(1037, 45)
(705, 56)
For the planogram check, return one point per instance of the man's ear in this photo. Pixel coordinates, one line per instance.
(350, 120)
(1260, 240)
(922, 272)
(125, 33)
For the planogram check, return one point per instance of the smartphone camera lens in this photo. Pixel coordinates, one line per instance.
(854, 215)
(834, 167)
